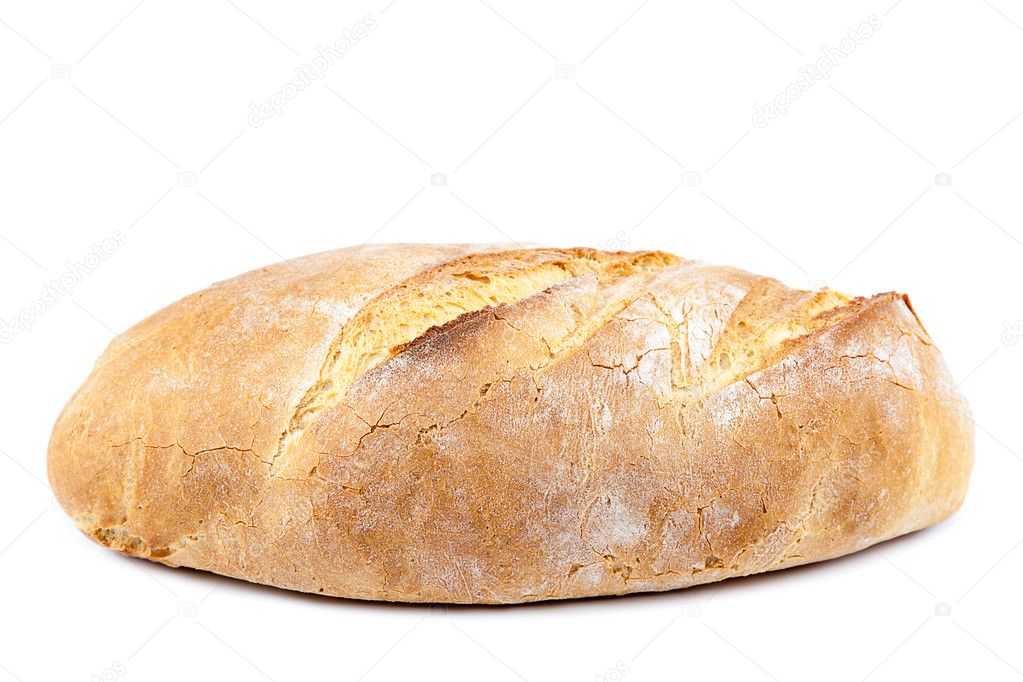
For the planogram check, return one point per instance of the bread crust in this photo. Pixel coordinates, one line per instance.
(475, 424)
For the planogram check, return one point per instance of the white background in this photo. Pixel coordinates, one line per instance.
(606, 124)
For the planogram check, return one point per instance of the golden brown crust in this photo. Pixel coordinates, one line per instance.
(483, 425)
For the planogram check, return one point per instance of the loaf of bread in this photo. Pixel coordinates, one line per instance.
(477, 424)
